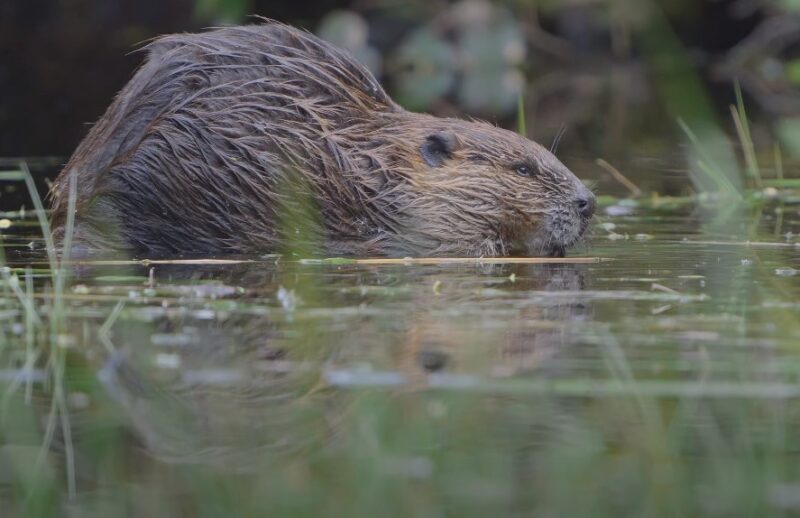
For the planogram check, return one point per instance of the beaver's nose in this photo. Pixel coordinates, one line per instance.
(585, 202)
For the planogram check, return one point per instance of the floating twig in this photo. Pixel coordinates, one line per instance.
(618, 176)
(346, 260)
(459, 260)
(754, 244)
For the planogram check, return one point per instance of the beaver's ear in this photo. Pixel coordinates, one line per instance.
(438, 147)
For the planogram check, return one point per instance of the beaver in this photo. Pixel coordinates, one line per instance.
(219, 135)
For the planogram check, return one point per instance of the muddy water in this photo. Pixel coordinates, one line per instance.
(664, 379)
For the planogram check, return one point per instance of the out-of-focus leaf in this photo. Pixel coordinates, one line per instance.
(789, 133)
(344, 28)
(791, 5)
(494, 91)
(793, 71)
(350, 31)
(498, 42)
(426, 69)
(491, 49)
(231, 11)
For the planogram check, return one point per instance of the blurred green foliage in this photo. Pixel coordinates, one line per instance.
(790, 5)
(231, 11)
(426, 69)
(477, 57)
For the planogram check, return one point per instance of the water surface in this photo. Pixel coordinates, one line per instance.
(664, 380)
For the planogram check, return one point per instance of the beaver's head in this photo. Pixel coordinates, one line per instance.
(482, 190)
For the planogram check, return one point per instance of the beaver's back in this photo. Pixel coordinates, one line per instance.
(198, 134)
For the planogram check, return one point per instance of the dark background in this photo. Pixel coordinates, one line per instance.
(588, 66)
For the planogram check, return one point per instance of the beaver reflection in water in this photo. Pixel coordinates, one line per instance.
(195, 153)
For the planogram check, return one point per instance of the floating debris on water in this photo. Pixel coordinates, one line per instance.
(287, 298)
(168, 361)
(171, 340)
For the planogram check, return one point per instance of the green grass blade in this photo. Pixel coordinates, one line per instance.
(521, 125)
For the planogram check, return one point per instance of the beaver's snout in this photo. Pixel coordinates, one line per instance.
(564, 223)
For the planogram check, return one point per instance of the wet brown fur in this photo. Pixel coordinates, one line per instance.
(196, 152)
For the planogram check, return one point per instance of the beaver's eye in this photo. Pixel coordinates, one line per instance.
(524, 170)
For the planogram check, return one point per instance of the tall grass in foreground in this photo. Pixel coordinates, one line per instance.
(713, 165)
(734, 181)
(46, 339)
(521, 124)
